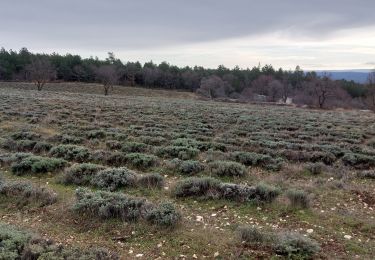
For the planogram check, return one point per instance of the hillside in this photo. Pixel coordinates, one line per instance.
(242, 181)
(358, 76)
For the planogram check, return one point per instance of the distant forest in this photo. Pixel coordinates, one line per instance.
(259, 83)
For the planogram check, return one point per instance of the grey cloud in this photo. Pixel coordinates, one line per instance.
(145, 24)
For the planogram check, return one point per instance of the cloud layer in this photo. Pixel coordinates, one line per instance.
(161, 26)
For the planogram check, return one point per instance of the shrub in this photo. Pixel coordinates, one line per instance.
(113, 144)
(114, 178)
(46, 251)
(326, 157)
(42, 147)
(37, 164)
(259, 194)
(182, 152)
(265, 193)
(81, 174)
(315, 168)
(367, 175)
(227, 168)
(298, 199)
(236, 192)
(25, 145)
(12, 242)
(252, 235)
(96, 134)
(197, 187)
(25, 135)
(189, 142)
(212, 188)
(189, 167)
(251, 159)
(291, 245)
(152, 180)
(275, 164)
(107, 205)
(18, 244)
(164, 215)
(19, 145)
(359, 160)
(219, 147)
(371, 143)
(27, 192)
(68, 139)
(141, 160)
(116, 159)
(185, 142)
(158, 140)
(6, 159)
(134, 147)
(8, 144)
(296, 246)
(70, 152)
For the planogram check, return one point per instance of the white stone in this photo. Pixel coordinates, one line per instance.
(309, 230)
(199, 218)
(348, 237)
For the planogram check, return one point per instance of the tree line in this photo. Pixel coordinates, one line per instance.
(260, 83)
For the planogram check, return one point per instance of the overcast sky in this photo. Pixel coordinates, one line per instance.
(315, 34)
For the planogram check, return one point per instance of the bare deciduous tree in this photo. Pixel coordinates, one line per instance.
(274, 90)
(247, 94)
(213, 87)
(260, 84)
(40, 71)
(108, 76)
(286, 89)
(322, 90)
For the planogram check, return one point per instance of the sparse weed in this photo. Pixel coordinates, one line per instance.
(298, 199)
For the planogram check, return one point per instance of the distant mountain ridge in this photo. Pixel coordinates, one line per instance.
(359, 76)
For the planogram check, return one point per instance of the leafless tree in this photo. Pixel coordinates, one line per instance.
(259, 85)
(322, 90)
(108, 76)
(274, 90)
(213, 87)
(286, 89)
(40, 71)
(247, 94)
